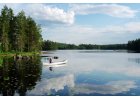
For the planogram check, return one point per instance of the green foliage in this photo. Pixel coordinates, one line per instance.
(9, 54)
(33, 36)
(1, 62)
(88, 46)
(134, 45)
(4, 28)
(18, 33)
(113, 47)
(50, 45)
(63, 46)
(103, 47)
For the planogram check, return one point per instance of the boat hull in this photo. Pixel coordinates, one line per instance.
(55, 63)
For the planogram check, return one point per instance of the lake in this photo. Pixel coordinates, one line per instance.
(87, 73)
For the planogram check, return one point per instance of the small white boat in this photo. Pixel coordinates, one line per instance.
(55, 63)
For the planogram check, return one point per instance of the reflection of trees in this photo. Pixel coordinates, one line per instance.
(18, 76)
(137, 60)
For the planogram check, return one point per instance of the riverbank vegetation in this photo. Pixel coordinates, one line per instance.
(3, 54)
(18, 33)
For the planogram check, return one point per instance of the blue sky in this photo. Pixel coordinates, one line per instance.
(95, 23)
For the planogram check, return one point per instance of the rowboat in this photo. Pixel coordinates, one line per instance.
(55, 63)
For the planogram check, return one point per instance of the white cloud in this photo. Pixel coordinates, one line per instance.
(58, 83)
(113, 87)
(90, 34)
(114, 10)
(44, 12)
(54, 14)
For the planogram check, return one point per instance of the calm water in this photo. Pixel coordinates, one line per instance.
(88, 72)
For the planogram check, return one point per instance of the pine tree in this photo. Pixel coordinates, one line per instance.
(20, 38)
(5, 29)
(18, 33)
(33, 35)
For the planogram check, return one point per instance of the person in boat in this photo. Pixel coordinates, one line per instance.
(50, 60)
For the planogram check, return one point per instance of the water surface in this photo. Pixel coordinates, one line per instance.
(88, 72)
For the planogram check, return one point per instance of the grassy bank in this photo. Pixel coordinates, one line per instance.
(19, 53)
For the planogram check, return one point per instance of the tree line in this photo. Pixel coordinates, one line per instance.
(134, 45)
(50, 45)
(18, 33)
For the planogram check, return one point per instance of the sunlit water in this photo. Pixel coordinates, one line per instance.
(88, 72)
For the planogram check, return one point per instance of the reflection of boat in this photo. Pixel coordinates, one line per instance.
(52, 66)
(55, 63)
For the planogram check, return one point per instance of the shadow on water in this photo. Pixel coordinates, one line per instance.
(17, 76)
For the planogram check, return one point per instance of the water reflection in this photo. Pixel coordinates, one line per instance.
(102, 51)
(85, 74)
(52, 67)
(17, 76)
(54, 85)
(112, 87)
(136, 60)
(106, 73)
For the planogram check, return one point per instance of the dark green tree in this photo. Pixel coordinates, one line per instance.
(4, 30)
(20, 36)
(33, 36)
(18, 33)
(134, 45)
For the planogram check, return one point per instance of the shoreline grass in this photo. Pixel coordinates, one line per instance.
(19, 53)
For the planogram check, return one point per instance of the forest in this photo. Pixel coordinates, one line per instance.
(18, 33)
(50, 45)
(132, 46)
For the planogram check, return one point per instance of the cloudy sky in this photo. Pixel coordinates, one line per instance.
(85, 23)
